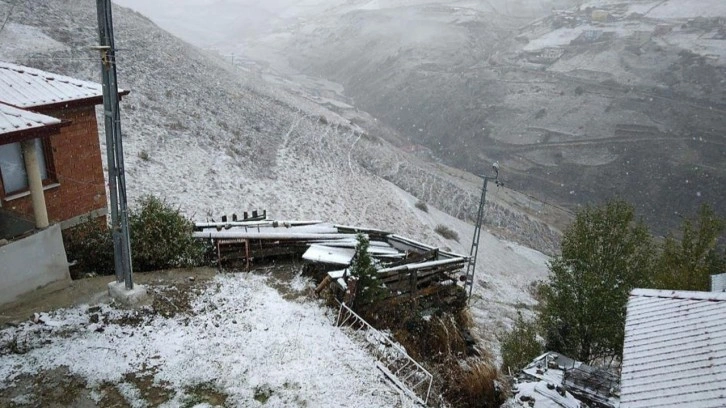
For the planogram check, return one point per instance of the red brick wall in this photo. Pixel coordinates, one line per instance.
(75, 155)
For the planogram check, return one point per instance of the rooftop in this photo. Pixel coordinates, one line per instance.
(675, 350)
(17, 120)
(25, 87)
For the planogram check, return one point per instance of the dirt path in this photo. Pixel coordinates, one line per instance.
(90, 291)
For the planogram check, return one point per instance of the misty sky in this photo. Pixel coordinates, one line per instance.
(210, 23)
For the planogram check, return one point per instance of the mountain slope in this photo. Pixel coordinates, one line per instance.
(628, 111)
(214, 139)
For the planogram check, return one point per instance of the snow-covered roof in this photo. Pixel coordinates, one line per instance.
(675, 350)
(16, 120)
(25, 87)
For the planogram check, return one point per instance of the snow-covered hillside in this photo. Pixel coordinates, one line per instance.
(215, 139)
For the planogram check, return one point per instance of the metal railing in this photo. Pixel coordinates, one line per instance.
(406, 370)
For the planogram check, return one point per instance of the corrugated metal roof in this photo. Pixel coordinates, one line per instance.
(675, 350)
(15, 120)
(25, 87)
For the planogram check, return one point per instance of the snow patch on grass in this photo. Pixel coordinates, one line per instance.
(242, 336)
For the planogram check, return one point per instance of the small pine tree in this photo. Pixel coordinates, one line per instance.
(370, 289)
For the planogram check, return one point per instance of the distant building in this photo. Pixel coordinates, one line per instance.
(545, 56)
(593, 36)
(600, 16)
(675, 350)
(718, 283)
(640, 38)
(662, 29)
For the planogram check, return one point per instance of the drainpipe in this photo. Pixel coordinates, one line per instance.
(35, 183)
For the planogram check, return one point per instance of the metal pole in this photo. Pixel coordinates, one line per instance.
(110, 143)
(114, 147)
(474, 251)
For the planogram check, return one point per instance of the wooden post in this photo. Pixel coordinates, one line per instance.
(247, 253)
(324, 284)
(413, 281)
(349, 298)
(219, 255)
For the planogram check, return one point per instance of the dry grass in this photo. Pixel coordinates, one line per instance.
(447, 232)
(421, 205)
(475, 384)
(464, 319)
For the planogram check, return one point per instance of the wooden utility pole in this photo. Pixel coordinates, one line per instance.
(114, 147)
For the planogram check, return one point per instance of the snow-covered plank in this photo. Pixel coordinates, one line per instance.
(406, 244)
(337, 274)
(422, 265)
(329, 255)
(282, 234)
(262, 223)
(363, 230)
(354, 243)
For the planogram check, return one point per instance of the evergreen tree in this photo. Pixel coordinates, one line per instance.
(370, 289)
(605, 254)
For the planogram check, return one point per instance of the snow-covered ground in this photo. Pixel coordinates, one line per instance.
(211, 140)
(680, 9)
(241, 338)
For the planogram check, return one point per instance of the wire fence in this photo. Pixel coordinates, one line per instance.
(409, 373)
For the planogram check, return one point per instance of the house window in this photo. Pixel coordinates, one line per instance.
(12, 166)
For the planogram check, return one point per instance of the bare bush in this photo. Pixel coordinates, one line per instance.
(447, 232)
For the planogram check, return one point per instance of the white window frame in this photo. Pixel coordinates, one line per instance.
(11, 157)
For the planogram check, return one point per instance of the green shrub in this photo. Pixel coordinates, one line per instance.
(421, 205)
(446, 232)
(161, 237)
(90, 245)
(520, 345)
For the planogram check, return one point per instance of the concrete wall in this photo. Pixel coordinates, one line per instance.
(31, 263)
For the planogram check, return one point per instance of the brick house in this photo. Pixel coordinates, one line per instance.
(69, 154)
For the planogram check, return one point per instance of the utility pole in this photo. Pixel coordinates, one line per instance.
(114, 147)
(474, 251)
